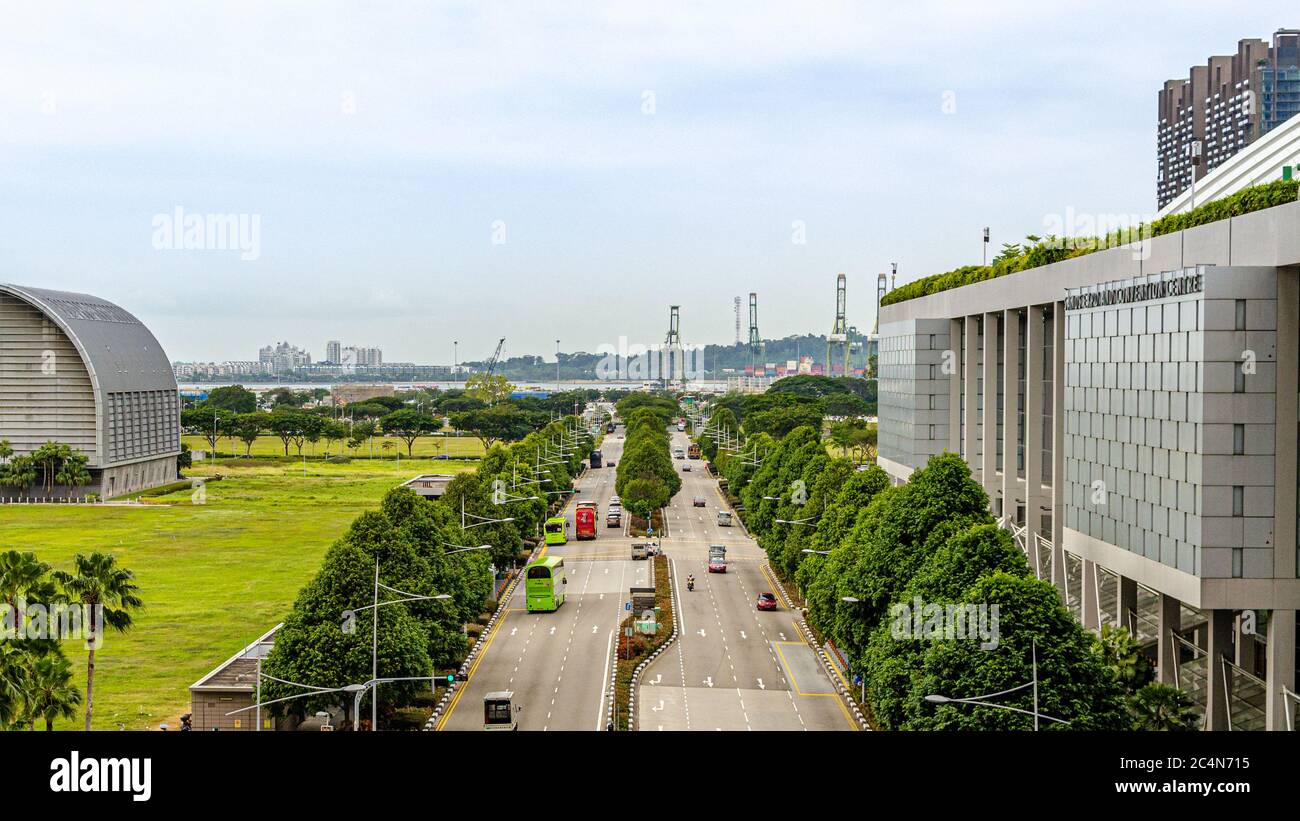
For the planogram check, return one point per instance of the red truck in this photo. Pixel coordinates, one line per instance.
(585, 519)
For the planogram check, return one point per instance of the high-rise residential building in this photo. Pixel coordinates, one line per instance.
(1224, 106)
(334, 351)
(283, 357)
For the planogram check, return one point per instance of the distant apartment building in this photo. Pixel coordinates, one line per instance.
(1224, 106)
(284, 357)
(219, 370)
(361, 357)
(334, 351)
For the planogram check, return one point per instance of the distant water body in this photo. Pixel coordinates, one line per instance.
(260, 387)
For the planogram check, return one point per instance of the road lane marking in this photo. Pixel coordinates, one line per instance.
(795, 683)
(474, 667)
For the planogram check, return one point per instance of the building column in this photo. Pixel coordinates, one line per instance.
(1218, 646)
(1126, 603)
(1058, 448)
(1279, 667)
(1246, 649)
(970, 383)
(1090, 603)
(1010, 412)
(1169, 620)
(952, 362)
(989, 464)
(1033, 432)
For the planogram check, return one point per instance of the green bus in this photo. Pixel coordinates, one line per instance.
(557, 530)
(544, 583)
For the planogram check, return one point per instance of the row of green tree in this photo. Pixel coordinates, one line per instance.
(865, 553)
(36, 686)
(646, 479)
(404, 417)
(52, 465)
(415, 545)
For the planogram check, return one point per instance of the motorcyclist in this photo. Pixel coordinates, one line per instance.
(690, 582)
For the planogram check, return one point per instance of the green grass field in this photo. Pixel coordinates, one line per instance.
(213, 576)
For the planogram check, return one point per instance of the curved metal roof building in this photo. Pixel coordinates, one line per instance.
(80, 370)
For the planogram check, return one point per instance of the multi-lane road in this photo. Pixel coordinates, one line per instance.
(558, 664)
(732, 668)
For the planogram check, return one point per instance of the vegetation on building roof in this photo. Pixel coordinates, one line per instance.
(1038, 251)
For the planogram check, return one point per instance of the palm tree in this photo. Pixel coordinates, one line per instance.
(21, 574)
(50, 693)
(100, 584)
(1123, 654)
(1162, 707)
(13, 678)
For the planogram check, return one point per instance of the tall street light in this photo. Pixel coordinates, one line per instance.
(349, 625)
(982, 701)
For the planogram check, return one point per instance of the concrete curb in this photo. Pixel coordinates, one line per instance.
(474, 651)
(822, 655)
(645, 663)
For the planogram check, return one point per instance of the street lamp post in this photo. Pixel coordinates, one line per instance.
(983, 701)
(348, 615)
(862, 678)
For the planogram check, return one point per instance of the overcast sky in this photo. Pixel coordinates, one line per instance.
(537, 170)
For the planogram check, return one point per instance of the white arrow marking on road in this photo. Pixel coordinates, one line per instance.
(552, 631)
(760, 685)
(602, 596)
(593, 629)
(514, 630)
(700, 631)
(742, 635)
(657, 679)
(782, 635)
(708, 682)
(660, 707)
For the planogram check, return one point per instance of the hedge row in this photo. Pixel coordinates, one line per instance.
(1054, 249)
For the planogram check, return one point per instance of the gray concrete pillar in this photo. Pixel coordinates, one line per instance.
(1034, 342)
(1126, 604)
(1279, 668)
(989, 463)
(1058, 447)
(1246, 649)
(1010, 412)
(1091, 605)
(1218, 647)
(952, 369)
(1169, 621)
(970, 389)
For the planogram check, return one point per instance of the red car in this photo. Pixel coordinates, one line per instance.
(766, 601)
(717, 565)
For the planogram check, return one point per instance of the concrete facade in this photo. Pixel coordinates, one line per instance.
(1132, 415)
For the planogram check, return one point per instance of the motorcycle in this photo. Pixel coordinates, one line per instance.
(690, 584)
